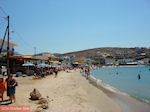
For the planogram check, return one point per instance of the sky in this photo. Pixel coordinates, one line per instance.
(60, 26)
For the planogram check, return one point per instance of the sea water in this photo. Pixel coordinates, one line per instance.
(126, 80)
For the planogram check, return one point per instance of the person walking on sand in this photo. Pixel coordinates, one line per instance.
(12, 85)
(2, 87)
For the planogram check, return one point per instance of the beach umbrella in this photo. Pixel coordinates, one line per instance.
(76, 63)
(28, 64)
(49, 65)
(58, 66)
(54, 65)
(42, 65)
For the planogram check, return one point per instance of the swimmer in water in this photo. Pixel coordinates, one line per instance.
(139, 76)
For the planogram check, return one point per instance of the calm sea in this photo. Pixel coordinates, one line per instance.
(125, 79)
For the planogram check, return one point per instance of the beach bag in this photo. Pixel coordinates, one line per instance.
(16, 84)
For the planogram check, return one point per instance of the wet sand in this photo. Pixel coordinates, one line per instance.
(126, 102)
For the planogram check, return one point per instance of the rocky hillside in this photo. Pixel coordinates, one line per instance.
(111, 52)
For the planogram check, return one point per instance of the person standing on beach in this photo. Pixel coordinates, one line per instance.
(2, 87)
(12, 85)
(87, 72)
(56, 72)
(8, 89)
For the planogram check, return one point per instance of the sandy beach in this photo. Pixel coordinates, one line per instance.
(69, 92)
(74, 56)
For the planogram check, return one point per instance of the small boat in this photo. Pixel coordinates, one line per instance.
(149, 69)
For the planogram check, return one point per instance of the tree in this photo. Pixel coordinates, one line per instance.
(95, 63)
(78, 59)
(52, 58)
(3, 58)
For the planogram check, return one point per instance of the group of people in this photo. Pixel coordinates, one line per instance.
(8, 85)
(86, 71)
(42, 72)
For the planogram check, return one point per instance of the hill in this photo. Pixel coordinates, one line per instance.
(110, 52)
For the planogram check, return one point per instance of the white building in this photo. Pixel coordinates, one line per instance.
(43, 56)
(109, 61)
(145, 61)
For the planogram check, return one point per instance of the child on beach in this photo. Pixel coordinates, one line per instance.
(2, 87)
(12, 86)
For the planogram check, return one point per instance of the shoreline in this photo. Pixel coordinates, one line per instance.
(114, 89)
(114, 66)
(126, 102)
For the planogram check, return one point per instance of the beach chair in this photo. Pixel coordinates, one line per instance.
(30, 72)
